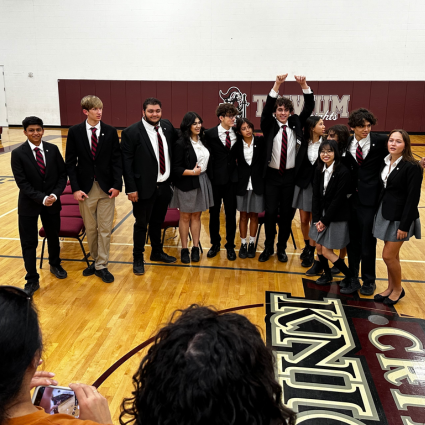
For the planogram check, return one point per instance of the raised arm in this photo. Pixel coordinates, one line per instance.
(308, 98)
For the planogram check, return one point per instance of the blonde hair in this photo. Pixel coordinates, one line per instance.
(90, 102)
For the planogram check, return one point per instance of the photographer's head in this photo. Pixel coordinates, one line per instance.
(21, 346)
(206, 367)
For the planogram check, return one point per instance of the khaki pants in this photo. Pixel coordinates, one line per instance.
(98, 215)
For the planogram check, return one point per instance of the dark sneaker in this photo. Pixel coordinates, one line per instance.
(31, 287)
(368, 288)
(138, 266)
(324, 279)
(282, 257)
(105, 275)
(231, 254)
(214, 250)
(251, 250)
(194, 255)
(335, 270)
(163, 257)
(304, 252)
(315, 270)
(243, 251)
(184, 256)
(265, 255)
(308, 259)
(352, 287)
(89, 271)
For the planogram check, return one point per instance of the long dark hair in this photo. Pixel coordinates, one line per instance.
(187, 121)
(333, 146)
(343, 134)
(206, 368)
(20, 340)
(309, 125)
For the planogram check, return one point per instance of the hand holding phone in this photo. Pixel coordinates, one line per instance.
(55, 399)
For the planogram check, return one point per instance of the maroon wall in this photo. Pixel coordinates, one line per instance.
(397, 104)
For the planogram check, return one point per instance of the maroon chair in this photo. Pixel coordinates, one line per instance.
(171, 220)
(72, 225)
(261, 222)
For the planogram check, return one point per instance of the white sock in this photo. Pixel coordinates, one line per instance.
(251, 239)
(243, 240)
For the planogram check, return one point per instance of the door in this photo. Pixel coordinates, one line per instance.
(3, 106)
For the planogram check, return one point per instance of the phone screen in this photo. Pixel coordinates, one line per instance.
(57, 400)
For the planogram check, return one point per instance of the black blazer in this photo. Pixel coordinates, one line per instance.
(106, 166)
(222, 164)
(184, 158)
(306, 170)
(33, 186)
(140, 165)
(255, 170)
(400, 198)
(366, 179)
(270, 128)
(334, 202)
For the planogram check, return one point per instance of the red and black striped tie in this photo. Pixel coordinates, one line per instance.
(228, 142)
(359, 154)
(93, 142)
(283, 152)
(40, 160)
(161, 152)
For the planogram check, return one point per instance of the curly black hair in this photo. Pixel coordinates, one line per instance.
(358, 117)
(206, 368)
(285, 102)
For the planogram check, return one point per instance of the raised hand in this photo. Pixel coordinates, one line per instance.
(301, 80)
(281, 78)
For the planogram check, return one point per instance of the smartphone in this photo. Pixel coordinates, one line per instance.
(56, 400)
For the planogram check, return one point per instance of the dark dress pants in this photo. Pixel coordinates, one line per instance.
(362, 246)
(279, 193)
(28, 233)
(226, 194)
(150, 212)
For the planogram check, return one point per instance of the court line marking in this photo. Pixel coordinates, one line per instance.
(210, 267)
(14, 209)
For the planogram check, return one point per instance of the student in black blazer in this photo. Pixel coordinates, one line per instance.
(249, 153)
(40, 174)
(284, 151)
(398, 216)
(331, 211)
(221, 141)
(192, 188)
(93, 162)
(146, 153)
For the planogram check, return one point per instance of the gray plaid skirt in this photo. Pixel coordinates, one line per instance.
(387, 230)
(195, 200)
(250, 202)
(303, 198)
(335, 236)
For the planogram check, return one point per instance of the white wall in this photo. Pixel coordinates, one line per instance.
(202, 40)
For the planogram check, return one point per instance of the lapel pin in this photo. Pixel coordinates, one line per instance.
(48, 151)
(397, 168)
(102, 134)
(373, 144)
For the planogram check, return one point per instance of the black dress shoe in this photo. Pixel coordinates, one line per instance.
(344, 282)
(231, 254)
(305, 251)
(58, 271)
(315, 270)
(105, 275)
(308, 259)
(194, 255)
(163, 257)
(89, 271)
(352, 287)
(379, 298)
(282, 257)
(138, 266)
(388, 301)
(265, 255)
(243, 251)
(368, 289)
(335, 270)
(214, 250)
(184, 256)
(31, 287)
(251, 250)
(324, 279)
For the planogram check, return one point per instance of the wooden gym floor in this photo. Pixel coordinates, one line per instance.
(88, 325)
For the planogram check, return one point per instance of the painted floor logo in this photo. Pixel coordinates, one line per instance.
(345, 360)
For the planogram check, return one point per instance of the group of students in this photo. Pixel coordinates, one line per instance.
(202, 368)
(350, 190)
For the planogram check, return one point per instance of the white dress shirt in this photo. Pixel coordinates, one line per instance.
(202, 154)
(313, 150)
(248, 153)
(40, 146)
(153, 137)
(364, 144)
(388, 169)
(328, 174)
(277, 141)
(89, 132)
(222, 135)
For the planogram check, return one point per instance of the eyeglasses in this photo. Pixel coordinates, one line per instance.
(324, 151)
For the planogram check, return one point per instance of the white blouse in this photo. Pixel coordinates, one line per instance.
(248, 153)
(328, 174)
(202, 154)
(313, 150)
(388, 169)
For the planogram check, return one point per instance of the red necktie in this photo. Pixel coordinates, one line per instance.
(40, 160)
(161, 152)
(283, 152)
(93, 142)
(359, 154)
(228, 142)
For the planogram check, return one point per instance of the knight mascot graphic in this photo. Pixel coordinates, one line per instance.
(237, 98)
